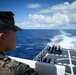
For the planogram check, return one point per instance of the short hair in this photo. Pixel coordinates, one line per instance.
(4, 30)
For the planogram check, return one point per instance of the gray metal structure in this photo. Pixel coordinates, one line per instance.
(64, 57)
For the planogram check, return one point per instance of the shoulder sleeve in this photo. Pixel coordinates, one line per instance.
(23, 69)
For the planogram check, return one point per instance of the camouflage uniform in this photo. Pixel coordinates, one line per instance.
(9, 66)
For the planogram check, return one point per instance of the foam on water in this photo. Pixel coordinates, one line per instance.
(64, 39)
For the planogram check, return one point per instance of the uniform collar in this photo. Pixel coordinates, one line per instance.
(2, 55)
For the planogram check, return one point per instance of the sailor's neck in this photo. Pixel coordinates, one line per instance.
(3, 51)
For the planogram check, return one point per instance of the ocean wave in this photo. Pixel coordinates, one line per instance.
(65, 40)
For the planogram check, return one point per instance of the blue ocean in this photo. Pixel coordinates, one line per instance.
(31, 41)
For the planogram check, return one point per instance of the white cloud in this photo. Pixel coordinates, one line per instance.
(56, 19)
(33, 5)
(66, 6)
(60, 16)
(60, 19)
(25, 25)
(28, 25)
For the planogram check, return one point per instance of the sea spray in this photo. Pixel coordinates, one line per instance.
(64, 39)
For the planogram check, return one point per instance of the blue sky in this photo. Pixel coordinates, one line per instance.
(42, 14)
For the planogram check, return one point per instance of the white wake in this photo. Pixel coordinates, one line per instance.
(65, 40)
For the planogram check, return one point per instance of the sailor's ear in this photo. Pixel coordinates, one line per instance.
(1, 37)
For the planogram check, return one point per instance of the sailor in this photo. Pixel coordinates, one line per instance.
(8, 39)
(49, 60)
(49, 49)
(45, 59)
(55, 61)
(59, 48)
(53, 48)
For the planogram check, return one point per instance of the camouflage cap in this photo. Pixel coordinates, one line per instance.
(7, 20)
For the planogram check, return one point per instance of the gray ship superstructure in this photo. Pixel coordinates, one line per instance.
(59, 56)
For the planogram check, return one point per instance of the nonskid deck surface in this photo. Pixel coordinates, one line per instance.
(66, 57)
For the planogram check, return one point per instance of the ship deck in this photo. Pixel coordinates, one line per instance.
(66, 57)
